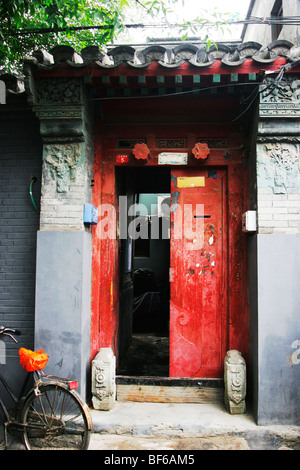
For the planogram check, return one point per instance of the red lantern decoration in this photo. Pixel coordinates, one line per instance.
(201, 151)
(141, 151)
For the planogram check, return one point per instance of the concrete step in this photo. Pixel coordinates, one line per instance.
(201, 421)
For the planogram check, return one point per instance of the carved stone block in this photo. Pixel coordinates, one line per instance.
(235, 382)
(278, 167)
(280, 99)
(103, 380)
(58, 103)
(58, 90)
(62, 161)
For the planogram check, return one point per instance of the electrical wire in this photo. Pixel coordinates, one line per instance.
(283, 21)
(249, 105)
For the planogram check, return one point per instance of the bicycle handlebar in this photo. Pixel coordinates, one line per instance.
(9, 332)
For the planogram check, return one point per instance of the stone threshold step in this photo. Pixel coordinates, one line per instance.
(169, 390)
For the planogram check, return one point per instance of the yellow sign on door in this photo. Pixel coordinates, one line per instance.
(191, 182)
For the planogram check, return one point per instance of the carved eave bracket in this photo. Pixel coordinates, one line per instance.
(279, 110)
(58, 103)
(280, 98)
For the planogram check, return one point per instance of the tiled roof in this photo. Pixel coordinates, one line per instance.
(230, 55)
(140, 57)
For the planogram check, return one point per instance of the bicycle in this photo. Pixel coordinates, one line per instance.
(51, 416)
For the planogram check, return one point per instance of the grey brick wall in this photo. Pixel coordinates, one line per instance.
(278, 213)
(20, 159)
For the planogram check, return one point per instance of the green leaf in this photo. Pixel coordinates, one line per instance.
(19, 16)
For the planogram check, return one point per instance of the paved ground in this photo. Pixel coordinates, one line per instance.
(181, 427)
(158, 426)
(154, 443)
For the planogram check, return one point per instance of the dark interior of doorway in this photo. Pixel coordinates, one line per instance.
(147, 353)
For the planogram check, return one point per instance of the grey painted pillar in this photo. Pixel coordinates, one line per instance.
(63, 285)
(63, 272)
(274, 257)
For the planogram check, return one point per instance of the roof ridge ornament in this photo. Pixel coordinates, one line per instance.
(66, 54)
(43, 57)
(233, 58)
(92, 54)
(169, 59)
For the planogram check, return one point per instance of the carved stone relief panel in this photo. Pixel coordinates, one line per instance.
(62, 161)
(278, 167)
(65, 91)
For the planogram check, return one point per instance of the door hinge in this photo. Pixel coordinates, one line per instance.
(171, 274)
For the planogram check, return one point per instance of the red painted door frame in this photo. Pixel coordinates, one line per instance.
(105, 276)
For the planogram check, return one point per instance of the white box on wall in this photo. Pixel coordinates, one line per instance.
(249, 221)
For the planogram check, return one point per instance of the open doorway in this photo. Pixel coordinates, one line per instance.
(147, 346)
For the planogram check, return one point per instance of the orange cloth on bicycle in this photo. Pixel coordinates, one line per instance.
(33, 360)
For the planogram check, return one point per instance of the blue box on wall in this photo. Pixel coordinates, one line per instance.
(90, 214)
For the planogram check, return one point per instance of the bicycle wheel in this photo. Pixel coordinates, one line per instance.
(55, 419)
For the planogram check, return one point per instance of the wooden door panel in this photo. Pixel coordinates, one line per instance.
(198, 303)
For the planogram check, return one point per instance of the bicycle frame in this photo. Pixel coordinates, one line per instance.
(12, 419)
(16, 400)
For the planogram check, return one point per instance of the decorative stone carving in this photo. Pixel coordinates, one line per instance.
(103, 380)
(62, 161)
(280, 98)
(60, 112)
(274, 92)
(58, 91)
(279, 138)
(278, 167)
(235, 382)
(58, 103)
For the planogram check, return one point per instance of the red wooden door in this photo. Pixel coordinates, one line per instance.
(198, 273)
